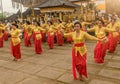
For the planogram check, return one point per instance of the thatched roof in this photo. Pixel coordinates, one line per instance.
(56, 3)
(24, 14)
(29, 3)
(14, 16)
(29, 12)
(34, 3)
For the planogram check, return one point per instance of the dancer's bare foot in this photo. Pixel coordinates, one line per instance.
(18, 60)
(14, 59)
(80, 78)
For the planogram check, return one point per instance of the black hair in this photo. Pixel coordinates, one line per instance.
(38, 23)
(15, 22)
(59, 21)
(28, 22)
(15, 25)
(50, 22)
(102, 22)
(78, 23)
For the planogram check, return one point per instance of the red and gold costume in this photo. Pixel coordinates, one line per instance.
(113, 38)
(100, 48)
(118, 25)
(38, 40)
(15, 43)
(5, 33)
(33, 33)
(79, 52)
(43, 33)
(27, 35)
(69, 27)
(25, 30)
(1, 36)
(51, 36)
(59, 35)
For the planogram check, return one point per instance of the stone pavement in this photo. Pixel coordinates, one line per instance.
(54, 66)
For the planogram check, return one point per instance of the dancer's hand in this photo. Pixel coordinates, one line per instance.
(103, 40)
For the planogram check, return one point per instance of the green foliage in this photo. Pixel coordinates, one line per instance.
(2, 16)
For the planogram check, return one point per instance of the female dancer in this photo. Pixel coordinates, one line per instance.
(59, 35)
(50, 35)
(37, 38)
(113, 37)
(27, 34)
(15, 42)
(69, 29)
(101, 47)
(79, 51)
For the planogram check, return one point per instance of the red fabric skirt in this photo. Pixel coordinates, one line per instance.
(69, 39)
(100, 52)
(60, 40)
(119, 36)
(38, 46)
(25, 36)
(1, 41)
(15, 50)
(27, 41)
(112, 43)
(5, 36)
(33, 35)
(25, 32)
(79, 64)
(43, 36)
(51, 41)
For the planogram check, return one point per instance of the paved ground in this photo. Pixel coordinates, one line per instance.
(54, 66)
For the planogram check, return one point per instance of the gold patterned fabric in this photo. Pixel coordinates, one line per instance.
(80, 39)
(15, 36)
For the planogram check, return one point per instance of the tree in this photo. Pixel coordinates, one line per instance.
(2, 17)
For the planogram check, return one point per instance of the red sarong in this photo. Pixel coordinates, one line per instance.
(78, 63)
(59, 37)
(1, 41)
(119, 37)
(100, 52)
(5, 36)
(38, 45)
(27, 41)
(25, 36)
(33, 35)
(50, 41)
(112, 43)
(15, 50)
(69, 39)
(43, 36)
